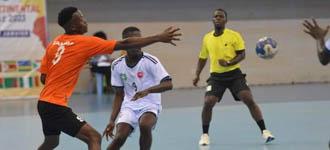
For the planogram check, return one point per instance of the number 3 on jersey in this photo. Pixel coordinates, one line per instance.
(60, 50)
(58, 54)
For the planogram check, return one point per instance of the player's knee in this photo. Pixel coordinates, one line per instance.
(51, 144)
(209, 103)
(144, 127)
(119, 139)
(249, 102)
(95, 137)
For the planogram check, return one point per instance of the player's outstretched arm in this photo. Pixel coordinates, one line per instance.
(119, 97)
(167, 36)
(318, 33)
(162, 87)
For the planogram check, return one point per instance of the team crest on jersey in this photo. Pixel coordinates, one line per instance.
(123, 76)
(140, 74)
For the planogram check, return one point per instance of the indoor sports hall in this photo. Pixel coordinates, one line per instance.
(292, 88)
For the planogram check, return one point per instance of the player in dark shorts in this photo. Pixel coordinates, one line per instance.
(226, 49)
(60, 68)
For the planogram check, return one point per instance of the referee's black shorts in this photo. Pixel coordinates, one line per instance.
(56, 119)
(233, 80)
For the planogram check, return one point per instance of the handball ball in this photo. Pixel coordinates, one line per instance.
(266, 48)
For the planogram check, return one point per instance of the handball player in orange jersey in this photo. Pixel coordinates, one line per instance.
(64, 58)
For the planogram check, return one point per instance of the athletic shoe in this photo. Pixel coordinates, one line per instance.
(204, 140)
(267, 135)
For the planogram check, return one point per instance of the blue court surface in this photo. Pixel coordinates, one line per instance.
(297, 115)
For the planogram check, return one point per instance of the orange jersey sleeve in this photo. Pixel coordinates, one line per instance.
(63, 61)
(99, 46)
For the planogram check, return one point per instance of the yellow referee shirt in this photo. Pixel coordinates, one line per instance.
(221, 47)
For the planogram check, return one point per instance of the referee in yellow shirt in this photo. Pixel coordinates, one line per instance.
(226, 49)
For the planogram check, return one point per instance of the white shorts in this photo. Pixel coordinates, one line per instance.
(131, 116)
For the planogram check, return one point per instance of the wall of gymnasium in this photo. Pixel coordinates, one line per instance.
(296, 61)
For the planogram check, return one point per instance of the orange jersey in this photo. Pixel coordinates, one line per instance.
(63, 61)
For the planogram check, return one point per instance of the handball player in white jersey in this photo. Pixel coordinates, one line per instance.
(138, 79)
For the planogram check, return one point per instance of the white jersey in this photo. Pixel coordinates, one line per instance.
(327, 45)
(146, 73)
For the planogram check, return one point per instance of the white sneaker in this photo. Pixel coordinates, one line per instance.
(267, 135)
(204, 140)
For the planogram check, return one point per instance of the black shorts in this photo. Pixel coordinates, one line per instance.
(56, 118)
(233, 80)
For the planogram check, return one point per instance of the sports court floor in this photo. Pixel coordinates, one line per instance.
(298, 115)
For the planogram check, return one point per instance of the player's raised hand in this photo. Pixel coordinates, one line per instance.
(108, 131)
(140, 94)
(314, 30)
(169, 35)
